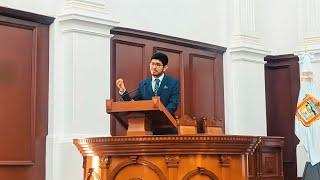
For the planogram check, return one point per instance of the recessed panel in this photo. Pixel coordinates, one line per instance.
(202, 86)
(16, 95)
(129, 65)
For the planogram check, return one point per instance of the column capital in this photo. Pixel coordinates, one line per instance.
(87, 16)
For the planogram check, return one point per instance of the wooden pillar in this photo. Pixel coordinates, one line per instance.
(138, 124)
(84, 166)
(105, 162)
(91, 167)
(225, 162)
(172, 165)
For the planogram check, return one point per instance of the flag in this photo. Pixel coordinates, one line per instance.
(307, 119)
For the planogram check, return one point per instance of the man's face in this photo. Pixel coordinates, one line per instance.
(157, 68)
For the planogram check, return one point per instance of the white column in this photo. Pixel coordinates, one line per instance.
(309, 26)
(244, 75)
(79, 83)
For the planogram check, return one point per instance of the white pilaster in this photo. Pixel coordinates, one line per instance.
(309, 31)
(244, 72)
(79, 83)
(309, 26)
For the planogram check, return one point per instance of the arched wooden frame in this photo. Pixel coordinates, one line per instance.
(151, 166)
(202, 171)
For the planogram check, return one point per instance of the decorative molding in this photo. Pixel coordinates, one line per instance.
(248, 41)
(248, 54)
(172, 161)
(97, 6)
(167, 39)
(311, 44)
(86, 17)
(167, 139)
(23, 15)
(279, 58)
(84, 24)
(162, 145)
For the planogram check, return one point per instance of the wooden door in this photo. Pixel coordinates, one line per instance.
(282, 90)
(23, 95)
(198, 67)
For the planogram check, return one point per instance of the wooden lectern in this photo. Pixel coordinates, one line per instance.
(140, 117)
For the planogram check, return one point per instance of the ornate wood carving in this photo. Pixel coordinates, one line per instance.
(105, 162)
(187, 125)
(92, 173)
(225, 161)
(202, 171)
(172, 161)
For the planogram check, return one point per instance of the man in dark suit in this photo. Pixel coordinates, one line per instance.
(158, 84)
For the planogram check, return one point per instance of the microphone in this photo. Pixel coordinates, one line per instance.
(135, 90)
(128, 93)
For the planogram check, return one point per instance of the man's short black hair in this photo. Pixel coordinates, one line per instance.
(161, 57)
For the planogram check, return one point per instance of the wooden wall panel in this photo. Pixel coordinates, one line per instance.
(126, 68)
(24, 55)
(202, 86)
(135, 63)
(280, 75)
(175, 60)
(282, 90)
(203, 101)
(17, 90)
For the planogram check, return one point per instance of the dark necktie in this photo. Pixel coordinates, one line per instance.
(156, 87)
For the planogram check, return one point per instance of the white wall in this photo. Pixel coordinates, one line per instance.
(48, 8)
(189, 19)
(80, 64)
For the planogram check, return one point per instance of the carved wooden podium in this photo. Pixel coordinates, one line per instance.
(141, 156)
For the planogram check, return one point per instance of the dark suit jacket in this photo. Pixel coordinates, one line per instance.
(169, 92)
